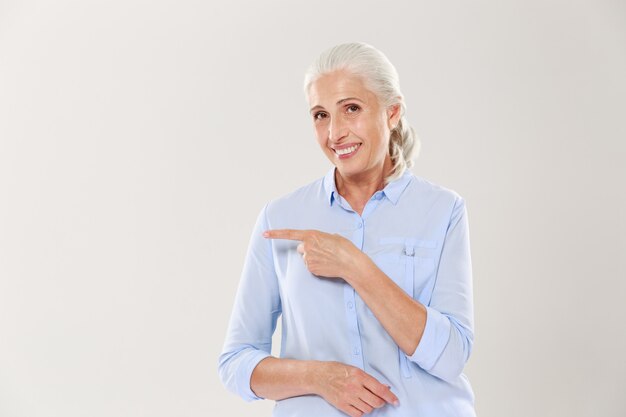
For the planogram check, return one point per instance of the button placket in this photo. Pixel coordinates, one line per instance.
(356, 357)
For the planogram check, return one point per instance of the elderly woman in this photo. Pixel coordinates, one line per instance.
(368, 267)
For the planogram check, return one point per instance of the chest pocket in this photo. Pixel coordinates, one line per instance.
(410, 263)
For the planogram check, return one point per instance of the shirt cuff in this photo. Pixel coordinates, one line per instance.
(434, 339)
(244, 373)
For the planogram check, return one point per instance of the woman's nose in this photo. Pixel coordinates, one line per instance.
(336, 130)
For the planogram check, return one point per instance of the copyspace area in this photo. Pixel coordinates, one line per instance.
(139, 140)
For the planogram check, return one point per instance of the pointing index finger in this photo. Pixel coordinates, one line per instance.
(291, 234)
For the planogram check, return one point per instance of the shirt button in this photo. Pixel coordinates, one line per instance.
(359, 225)
(350, 305)
(379, 196)
(356, 351)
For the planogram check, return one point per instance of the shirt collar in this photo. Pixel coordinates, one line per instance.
(392, 191)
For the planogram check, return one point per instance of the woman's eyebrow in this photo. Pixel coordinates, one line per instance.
(338, 103)
(350, 98)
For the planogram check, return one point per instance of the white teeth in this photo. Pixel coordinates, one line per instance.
(346, 150)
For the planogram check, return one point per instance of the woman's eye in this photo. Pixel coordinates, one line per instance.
(319, 116)
(352, 108)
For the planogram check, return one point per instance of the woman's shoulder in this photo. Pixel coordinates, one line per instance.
(431, 189)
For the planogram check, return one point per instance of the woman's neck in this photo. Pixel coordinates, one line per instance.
(362, 186)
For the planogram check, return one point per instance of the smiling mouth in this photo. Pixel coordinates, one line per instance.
(347, 151)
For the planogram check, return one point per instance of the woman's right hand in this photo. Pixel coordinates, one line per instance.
(350, 389)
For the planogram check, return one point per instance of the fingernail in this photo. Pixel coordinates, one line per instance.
(266, 234)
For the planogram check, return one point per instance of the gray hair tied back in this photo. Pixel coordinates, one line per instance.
(381, 77)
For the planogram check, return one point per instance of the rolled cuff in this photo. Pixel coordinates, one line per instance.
(434, 339)
(244, 374)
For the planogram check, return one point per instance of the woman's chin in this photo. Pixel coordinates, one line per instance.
(346, 170)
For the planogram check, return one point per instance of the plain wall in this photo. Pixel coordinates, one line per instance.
(139, 140)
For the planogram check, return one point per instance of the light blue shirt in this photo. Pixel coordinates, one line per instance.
(417, 234)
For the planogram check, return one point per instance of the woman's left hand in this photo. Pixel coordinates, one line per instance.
(324, 254)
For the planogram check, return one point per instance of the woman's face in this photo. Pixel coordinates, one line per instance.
(351, 126)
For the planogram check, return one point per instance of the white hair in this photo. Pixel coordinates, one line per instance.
(380, 77)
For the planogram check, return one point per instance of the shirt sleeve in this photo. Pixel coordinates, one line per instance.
(253, 319)
(446, 343)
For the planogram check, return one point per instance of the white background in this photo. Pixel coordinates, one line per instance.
(140, 139)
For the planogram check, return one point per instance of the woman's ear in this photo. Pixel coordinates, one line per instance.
(393, 115)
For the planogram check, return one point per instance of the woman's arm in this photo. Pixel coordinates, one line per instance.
(253, 320)
(402, 317)
(277, 379)
(346, 387)
(437, 337)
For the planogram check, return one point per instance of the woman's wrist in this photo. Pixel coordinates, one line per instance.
(313, 378)
(277, 379)
(361, 264)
